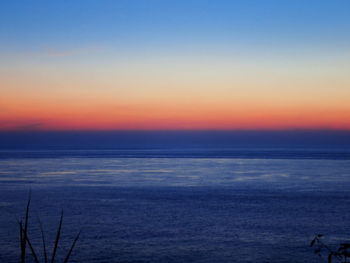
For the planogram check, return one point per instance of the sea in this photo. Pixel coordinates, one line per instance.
(210, 196)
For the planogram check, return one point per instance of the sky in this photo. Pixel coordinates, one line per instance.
(174, 65)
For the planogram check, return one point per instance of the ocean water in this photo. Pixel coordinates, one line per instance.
(197, 205)
(177, 196)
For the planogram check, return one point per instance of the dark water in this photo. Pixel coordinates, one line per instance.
(177, 197)
(147, 209)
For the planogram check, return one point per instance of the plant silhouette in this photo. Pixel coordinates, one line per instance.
(25, 240)
(341, 254)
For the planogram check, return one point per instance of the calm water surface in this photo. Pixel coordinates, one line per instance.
(177, 209)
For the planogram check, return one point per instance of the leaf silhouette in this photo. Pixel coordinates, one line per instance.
(330, 258)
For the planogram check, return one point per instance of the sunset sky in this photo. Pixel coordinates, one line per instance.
(174, 65)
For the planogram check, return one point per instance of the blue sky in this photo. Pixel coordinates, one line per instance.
(110, 65)
(31, 25)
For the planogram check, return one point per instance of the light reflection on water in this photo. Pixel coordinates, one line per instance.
(180, 209)
(298, 174)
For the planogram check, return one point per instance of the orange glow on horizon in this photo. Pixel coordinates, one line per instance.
(194, 93)
(99, 116)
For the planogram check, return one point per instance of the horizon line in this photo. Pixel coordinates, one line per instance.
(176, 130)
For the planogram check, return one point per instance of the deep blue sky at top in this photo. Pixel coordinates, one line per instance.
(32, 25)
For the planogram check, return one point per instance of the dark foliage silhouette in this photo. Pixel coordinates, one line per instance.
(341, 254)
(26, 243)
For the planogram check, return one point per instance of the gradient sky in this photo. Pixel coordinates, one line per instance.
(169, 65)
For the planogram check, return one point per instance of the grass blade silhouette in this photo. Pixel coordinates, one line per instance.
(30, 245)
(58, 235)
(25, 231)
(24, 239)
(43, 240)
(71, 248)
